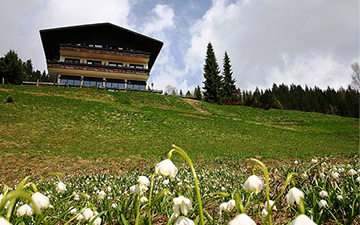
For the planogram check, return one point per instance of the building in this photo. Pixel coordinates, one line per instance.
(99, 55)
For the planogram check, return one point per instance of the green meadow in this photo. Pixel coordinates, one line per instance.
(56, 128)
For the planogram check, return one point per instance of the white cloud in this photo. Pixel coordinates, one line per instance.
(20, 21)
(161, 25)
(320, 39)
(163, 19)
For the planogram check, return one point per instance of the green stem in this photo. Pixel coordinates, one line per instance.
(287, 182)
(197, 189)
(150, 196)
(266, 174)
(137, 210)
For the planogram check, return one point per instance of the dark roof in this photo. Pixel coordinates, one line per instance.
(106, 34)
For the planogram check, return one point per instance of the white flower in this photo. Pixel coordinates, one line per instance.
(254, 184)
(302, 220)
(114, 205)
(340, 197)
(7, 203)
(242, 219)
(314, 160)
(182, 220)
(73, 210)
(142, 180)
(79, 217)
(76, 197)
(335, 175)
(271, 204)
(358, 179)
(166, 182)
(322, 203)
(294, 195)
(341, 170)
(352, 172)
(323, 164)
(224, 206)
(109, 188)
(304, 175)
(142, 188)
(166, 168)
(323, 194)
(143, 199)
(231, 205)
(296, 162)
(102, 195)
(182, 204)
(135, 189)
(3, 221)
(97, 221)
(40, 200)
(88, 214)
(264, 212)
(24, 210)
(60, 187)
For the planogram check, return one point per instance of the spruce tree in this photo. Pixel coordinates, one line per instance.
(197, 93)
(212, 77)
(228, 82)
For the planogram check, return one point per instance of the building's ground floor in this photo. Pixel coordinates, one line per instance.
(101, 82)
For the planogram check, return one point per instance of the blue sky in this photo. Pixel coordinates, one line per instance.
(309, 42)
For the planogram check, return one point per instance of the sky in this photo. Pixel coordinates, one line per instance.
(306, 42)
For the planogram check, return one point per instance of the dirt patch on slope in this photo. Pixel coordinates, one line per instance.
(195, 104)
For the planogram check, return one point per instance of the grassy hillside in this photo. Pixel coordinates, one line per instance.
(64, 129)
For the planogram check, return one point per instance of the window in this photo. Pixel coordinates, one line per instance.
(137, 66)
(69, 60)
(115, 64)
(93, 62)
(93, 82)
(115, 83)
(137, 85)
(98, 46)
(70, 80)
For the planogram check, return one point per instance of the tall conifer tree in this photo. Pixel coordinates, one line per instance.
(228, 82)
(212, 88)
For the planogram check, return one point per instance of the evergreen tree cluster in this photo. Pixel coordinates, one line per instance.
(15, 71)
(343, 102)
(218, 88)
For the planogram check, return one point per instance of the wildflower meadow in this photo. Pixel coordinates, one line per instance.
(315, 192)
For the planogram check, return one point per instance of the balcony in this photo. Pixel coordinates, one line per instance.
(103, 53)
(82, 67)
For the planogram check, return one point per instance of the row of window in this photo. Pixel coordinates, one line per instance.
(87, 83)
(98, 63)
(101, 46)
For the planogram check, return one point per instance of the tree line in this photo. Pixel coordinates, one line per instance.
(14, 71)
(221, 89)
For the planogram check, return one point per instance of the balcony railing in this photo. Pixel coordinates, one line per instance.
(97, 68)
(107, 51)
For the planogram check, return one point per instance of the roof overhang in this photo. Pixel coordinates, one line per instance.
(105, 34)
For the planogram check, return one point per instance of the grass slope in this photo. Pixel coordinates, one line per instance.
(67, 129)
